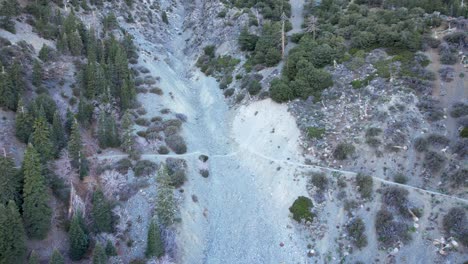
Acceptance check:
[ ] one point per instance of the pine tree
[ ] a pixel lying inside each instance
(24, 123)
(128, 138)
(155, 245)
(85, 112)
(8, 94)
(10, 182)
(44, 53)
(102, 213)
(41, 138)
(16, 76)
(69, 24)
(36, 211)
(165, 203)
(75, 44)
(75, 150)
(110, 249)
(99, 255)
(33, 258)
(62, 44)
(127, 95)
(10, 8)
(91, 47)
(56, 258)
(78, 239)
(108, 135)
(58, 134)
(12, 236)
(37, 74)
(69, 120)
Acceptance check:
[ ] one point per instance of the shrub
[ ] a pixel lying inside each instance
(456, 224)
(145, 168)
(464, 132)
(373, 131)
(142, 122)
(420, 144)
(460, 178)
(390, 232)
(343, 151)
(373, 141)
(204, 173)
(365, 184)
(171, 130)
(229, 92)
(163, 150)
(123, 165)
(319, 180)
(178, 178)
(356, 230)
(315, 132)
(396, 197)
(156, 90)
(177, 144)
(301, 209)
(434, 161)
(254, 87)
(438, 140)
(459, 109)
(400, 178)
(280, 91)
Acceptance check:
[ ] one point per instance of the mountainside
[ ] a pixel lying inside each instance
(204, 131)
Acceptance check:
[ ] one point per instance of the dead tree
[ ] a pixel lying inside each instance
(283, 37)
(312, 26)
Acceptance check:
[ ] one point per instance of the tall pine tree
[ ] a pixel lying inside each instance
(33, 258)
(12, 236)
(24, 123)
(78, 239)
(58, 134)
(37, 74)
(75, 151)
(128, 138)
(108, 135)
(10, 181)
(36, 211)
(99, 255)
(102, 213)
(41, 138)
(155, 245)
(56, 258)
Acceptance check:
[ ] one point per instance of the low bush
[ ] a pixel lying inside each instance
(145, 168)
(229, 92)
(365, 184)
(373, 131)
(459, 178)
(204, 173)
(315, 132)
(356, 230)
(455, 224)
(156, 90)
(254, 87)
(459, 109)
(434, 161)
(142, 122)
(396, 197)
(400, 178)
(163, 150)
(343, 151)
(301, 209)
(177, 178)
(461, 147)
(319, 180)
(420, 144)
(177, 144)
(123, 165)
(389, 231)
(464, 132)
(438, 140)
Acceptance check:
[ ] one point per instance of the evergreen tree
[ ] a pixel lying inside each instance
(8, 94)
(62, 44)
(128, 138)
(23, 124)
(91, 47)
(16, 77)
(56, 258)
(85, 112)
(69, 25)
(10, 8)
(108, 135)
(37, 74)
(75, 44)
(41, 138)
(99, 255)
(70, 119)
(44, 53)
(110, 249)
(58, 134)
(78, 239)
(155, 245)
(75, 150)
(36, 211)
(12, 236)
(33, 258)
(165, 203)
(10, 182)
(102, 213)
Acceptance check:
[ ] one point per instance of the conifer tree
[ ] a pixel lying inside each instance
(85, 112)
(58, 134)
(99, 255)
(128, 138)
(69, 25)
(78, 239)
(36, 211)
(102, 213)
(10, 182)
(75, 44)
(37, 74)
(62, 44)
(75, 150)
(108, 135)
(69, 120)
(24, 123)
(33, 258)
(56, 258)
(165, 203)
(41, 138)
(16, 76)
(91, 52)
(44, 53)
(8, 94)
(12, 235)
(155, 245)
(110, 249)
